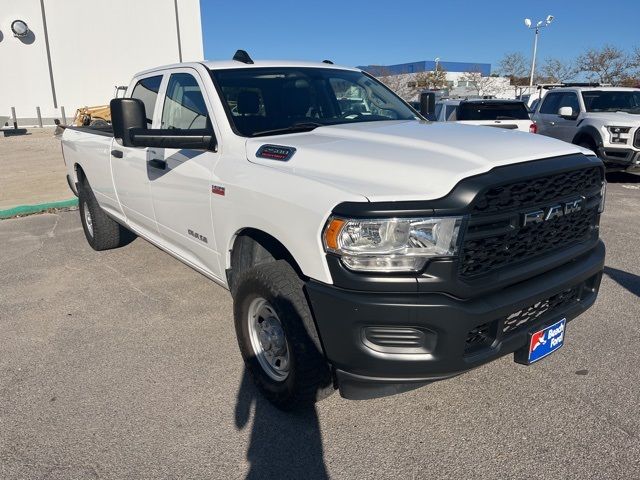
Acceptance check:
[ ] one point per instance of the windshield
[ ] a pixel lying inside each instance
(269, 101)
(492, 111)
(612, 101)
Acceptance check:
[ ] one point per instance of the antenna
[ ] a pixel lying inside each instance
(242, 56)
(327, 61)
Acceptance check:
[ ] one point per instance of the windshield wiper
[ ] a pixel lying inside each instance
(295, 128)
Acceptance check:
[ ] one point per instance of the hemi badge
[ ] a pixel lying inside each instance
(217, 189)
(275, 152)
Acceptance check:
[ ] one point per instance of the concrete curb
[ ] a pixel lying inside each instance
(40, 207)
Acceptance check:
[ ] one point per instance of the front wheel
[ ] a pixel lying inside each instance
(278, 338)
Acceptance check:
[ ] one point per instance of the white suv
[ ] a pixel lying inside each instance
(603, 119)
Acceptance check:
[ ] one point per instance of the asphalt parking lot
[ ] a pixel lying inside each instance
(124, 364)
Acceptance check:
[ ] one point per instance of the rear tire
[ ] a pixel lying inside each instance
(297, 374)
(100, 230)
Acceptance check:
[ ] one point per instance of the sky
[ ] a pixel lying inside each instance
(355, 32)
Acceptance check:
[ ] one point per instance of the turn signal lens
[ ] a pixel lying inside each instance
(533, 128)
(332, 232)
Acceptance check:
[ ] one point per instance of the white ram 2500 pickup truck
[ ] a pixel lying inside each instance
(365, 248)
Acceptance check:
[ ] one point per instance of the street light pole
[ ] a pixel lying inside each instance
(529, 24)
(533, 58)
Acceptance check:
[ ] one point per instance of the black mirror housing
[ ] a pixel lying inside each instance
(427, 104)
(127, 114)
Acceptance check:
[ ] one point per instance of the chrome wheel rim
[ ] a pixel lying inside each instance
(268, 339)
(87, 219)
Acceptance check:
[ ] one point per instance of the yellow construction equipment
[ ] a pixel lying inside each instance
(98, 116)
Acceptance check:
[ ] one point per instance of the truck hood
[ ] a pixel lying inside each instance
(622, 119)
(404, 160)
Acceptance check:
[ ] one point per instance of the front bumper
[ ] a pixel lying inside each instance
(384, 343)
(620, 159)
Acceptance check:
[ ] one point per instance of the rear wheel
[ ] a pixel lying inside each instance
(100, 230)
(278, 338)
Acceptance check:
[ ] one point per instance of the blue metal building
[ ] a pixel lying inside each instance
(428, 66)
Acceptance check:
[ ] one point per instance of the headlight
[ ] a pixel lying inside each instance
(391, 244)
(619, 134)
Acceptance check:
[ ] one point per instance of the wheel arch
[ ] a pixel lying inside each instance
(590, 134)
(78, 173)
(252, 246)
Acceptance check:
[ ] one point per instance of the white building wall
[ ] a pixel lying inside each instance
(94, 46)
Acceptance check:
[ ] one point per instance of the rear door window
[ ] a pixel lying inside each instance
(147, 91)
(493, 111)
(184, 106)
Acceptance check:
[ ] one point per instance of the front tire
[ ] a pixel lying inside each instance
(100, 230)
(277, 336)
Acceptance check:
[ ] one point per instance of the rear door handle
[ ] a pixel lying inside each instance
(117, 153)
(157, 163)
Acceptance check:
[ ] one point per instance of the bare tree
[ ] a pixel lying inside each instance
(435, 80)
(479, 84)
(632, 79)
(386, 76)
(635, 58)
(515, 66)
(607, 65)
(555, 70)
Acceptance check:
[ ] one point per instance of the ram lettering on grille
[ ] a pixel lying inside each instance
(523, 220)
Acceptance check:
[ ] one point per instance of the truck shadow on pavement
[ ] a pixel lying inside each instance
(283, 444)
(626, 280)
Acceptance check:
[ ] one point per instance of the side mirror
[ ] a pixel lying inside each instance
(129, 121)
(427, 104)
(127, 114)
(566, 112)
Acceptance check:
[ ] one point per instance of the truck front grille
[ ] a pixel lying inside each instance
(532, 313)
(537, 191)
(550, 308)
(496, 238)
(496, 251)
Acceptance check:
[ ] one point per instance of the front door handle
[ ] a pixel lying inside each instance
(552, 123)
(158, 163)
(117, 153)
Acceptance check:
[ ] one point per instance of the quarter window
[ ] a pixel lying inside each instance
(184, 107)
(147, 91)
